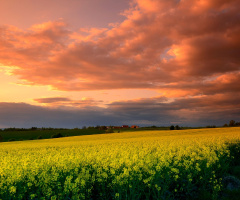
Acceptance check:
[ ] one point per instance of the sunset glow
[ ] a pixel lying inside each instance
(101, 62)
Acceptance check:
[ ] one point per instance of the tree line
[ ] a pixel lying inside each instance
(232, 123)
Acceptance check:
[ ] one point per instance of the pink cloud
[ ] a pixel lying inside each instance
(51, 99)
(85, 102)
(172, 46)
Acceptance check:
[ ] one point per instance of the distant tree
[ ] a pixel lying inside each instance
(84, 127)
(232, 123)
(40, 137)
(211, 126)
(177, 127)
(102, 128)
(57, 135)
(172, 127)
(237, 124)
(97, 127)
(225, 125)
(1, 138)
(91, 127)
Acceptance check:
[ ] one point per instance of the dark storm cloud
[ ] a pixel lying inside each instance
(196, 111)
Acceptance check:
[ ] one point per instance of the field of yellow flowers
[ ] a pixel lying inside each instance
(132, 165)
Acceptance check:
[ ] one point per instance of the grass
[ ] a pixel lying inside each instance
(45, 134)
(19, 135)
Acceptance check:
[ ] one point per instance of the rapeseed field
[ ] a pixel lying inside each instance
(176, 164)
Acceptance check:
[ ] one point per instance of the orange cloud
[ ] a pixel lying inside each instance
(67, 102)
(171, 46)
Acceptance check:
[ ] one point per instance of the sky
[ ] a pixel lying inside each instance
(74, 63)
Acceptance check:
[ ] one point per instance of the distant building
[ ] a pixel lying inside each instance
(125, 126)
(134, 126)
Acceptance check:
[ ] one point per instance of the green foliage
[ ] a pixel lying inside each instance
(45, 133)
(39, 137)
(1, 138)
(234, 148)
(57, 135)
(235, 170)
(231, 195)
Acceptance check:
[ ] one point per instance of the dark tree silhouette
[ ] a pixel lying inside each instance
(232, 123)
(177, 127)
(40, 137)
(172, 127)
(57, 135)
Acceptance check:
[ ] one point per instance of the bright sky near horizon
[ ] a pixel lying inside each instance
(103, 62)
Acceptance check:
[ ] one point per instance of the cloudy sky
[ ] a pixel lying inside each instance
(70, 63)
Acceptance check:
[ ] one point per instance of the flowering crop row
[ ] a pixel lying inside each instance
(137, 165)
